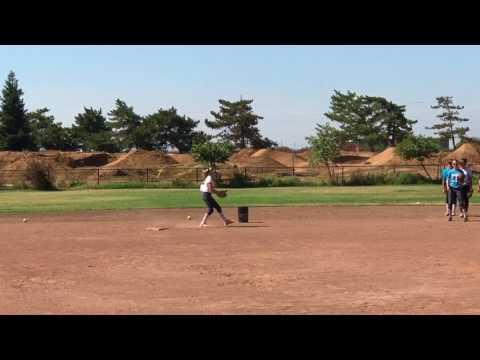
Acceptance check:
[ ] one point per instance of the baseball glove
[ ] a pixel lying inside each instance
(222, 193)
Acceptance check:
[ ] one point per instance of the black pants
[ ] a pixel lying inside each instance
(211, 203)
(455, 195)
(466, 200)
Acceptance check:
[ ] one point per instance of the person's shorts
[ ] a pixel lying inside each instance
(211, 202)
(455, 195)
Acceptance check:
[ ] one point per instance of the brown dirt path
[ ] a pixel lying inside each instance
(314, 260)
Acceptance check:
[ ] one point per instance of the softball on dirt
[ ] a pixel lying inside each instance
(189, 217)
(24, 220)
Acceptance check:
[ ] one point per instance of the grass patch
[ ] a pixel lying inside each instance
(15, 201)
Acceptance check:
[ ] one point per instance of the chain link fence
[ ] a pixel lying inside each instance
(338, 173)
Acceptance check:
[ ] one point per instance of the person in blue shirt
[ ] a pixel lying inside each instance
(455, 182)
(448, 166)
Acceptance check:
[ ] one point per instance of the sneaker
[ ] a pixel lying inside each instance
(446, 214)
(465, 218)
(454, 214)
(450, 218)
(462, 215)
(228, 222)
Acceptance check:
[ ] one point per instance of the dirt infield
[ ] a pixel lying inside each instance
(314, 260)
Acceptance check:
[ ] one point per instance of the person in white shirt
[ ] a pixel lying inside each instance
(207, 188)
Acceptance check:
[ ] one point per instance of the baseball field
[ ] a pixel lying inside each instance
(315, 250)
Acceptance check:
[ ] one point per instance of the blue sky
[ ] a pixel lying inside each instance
(291, 85)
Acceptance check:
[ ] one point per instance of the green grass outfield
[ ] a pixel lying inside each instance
(17, 201)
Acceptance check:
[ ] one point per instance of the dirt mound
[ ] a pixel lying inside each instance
(304, 154)
(469, 151)
(389, 157)
(351, 159)
(262, 152)
(9, 157)
(184, 159)
(264, 161)
(283, 157)
(19, 161)
(95, 159)
(241, 157)
(141, 159)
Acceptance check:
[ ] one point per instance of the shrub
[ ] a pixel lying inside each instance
(361, 179)
(240, 180)
(182, 184)
(275, 181)
(409, 179)
(38, 176)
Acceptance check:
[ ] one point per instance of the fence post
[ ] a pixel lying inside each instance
(245, 172)
(293, 170)
(343, 182)
(147, 175)
(98, 176)
(196, 175)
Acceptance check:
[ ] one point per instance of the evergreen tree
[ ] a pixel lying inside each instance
(15, 130)
(167, 128)
(92, 132)
(48, 134)
(124, 123)
(237, 123)
(356, 119)
(450, 115)
(391, 119)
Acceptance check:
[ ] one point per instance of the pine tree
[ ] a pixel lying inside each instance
(124, 123)
(446, 129)
(355, 116)
(92, 132)
(15, 130)
(47, 133)
(391, 119)
(237, 123)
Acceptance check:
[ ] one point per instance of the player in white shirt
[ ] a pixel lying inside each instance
(207, 188)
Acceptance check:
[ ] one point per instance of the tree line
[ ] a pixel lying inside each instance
(122, 128)
(372, 122)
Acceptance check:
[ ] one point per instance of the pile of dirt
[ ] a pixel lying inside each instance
(264, 162)
(305, 155)
(94, 159)
(141, 159)
(469, 151)
(285, 158)
(389, 157)
(351, 159)
(184, 159)
(241, 157)
(19, 161)
(9, 157)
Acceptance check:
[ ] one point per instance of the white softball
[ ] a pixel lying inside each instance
(189, 217)
(24, 220)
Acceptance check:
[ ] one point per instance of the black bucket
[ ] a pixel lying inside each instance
(243, 214)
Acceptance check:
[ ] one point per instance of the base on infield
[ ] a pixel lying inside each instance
(156, 228)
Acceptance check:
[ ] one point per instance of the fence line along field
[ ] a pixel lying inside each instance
(67, 168)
